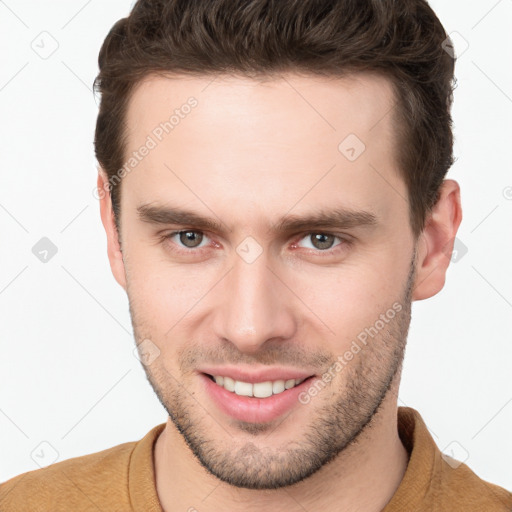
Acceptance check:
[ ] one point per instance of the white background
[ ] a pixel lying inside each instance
(68, 375)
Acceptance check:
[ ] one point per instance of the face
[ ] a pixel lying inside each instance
(296, 256)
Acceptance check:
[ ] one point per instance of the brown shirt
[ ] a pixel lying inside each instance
(122, 479)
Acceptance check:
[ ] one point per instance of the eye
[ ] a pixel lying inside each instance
(190, 239)
(322, 241)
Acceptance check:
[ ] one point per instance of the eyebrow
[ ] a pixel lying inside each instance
(337, 218)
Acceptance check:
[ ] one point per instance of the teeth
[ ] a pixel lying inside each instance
(243, 388)
(289, 384)
(259, 389)
(278, 387)
(229, 383)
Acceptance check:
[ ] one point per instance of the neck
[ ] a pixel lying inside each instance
(362, 477)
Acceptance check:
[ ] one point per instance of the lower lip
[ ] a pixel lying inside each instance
(251, 409)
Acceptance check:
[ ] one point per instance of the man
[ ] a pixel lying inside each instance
(272, 189)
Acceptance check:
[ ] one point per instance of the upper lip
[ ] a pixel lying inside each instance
(252, 375)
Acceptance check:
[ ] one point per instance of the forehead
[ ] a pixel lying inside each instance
(279, 141)
(357, 103)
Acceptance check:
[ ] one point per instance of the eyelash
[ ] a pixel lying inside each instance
(327, 252)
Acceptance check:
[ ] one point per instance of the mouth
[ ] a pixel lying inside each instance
(264, 389)
(256, 402)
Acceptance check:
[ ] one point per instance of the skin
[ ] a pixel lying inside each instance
(250, 153)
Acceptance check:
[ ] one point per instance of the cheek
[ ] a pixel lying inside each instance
(349, 298)
(162, 294)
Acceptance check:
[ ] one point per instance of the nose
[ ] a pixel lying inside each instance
(255, 306)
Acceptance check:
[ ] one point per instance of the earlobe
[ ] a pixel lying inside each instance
(435, 244)
(114, 251)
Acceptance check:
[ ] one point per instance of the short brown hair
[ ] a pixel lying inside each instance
(400, 39)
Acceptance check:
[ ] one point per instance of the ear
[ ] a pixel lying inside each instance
(435, 243)
(114, 251)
